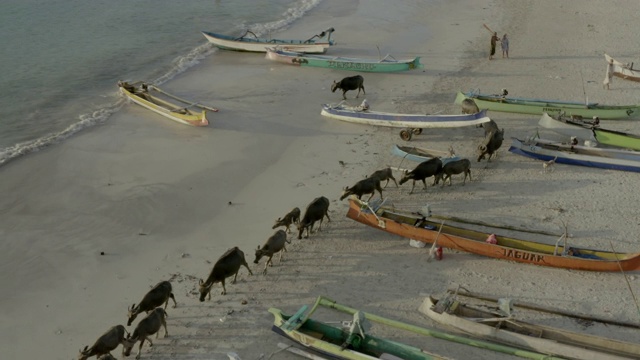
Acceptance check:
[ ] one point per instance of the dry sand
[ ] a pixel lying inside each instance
(164, 201)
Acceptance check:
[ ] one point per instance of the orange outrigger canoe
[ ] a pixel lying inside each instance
(416, 226)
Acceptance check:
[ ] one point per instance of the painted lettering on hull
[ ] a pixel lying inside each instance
(523, 255)
(351, 66)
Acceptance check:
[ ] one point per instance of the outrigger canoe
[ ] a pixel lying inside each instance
(413, 225)
(355, 343)
(158, 101)
(495, 325)
(249, 41)
(413, 123)
(539, 106)
(591, 131)
(386, 64)
(624, 71)
(563, 153)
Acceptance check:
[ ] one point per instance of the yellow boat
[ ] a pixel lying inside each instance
(156, 100)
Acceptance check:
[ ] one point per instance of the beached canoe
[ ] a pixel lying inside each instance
(413, 225)
(249, 41)
(588, 130)
(624, 71)
(494, 325)
(563, 153)
(413, 123)
(386, 64)
(354, 342)
(421, 154)
(165, 104)
(553, 107)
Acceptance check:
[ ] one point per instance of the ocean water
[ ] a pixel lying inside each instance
(61, 59)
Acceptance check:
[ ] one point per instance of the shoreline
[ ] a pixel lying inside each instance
(125, 188)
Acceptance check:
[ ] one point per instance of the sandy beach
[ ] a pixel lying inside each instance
(164, 201)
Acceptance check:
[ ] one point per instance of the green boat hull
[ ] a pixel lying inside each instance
(537, 107)
(613, 138)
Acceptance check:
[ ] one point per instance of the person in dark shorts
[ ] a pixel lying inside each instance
(494, 41)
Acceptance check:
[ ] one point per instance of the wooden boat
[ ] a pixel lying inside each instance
(591, 131)
(386, 64)
(415, 226)
(421, 154)
(493, 325)
(624, 71)
(538, 106)
(414, 123)
(158, 101)
(249, 41)
(330, 341)
(603, 158)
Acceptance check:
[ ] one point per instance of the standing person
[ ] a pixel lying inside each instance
(505, 46)
(494, 41)
(609, 75)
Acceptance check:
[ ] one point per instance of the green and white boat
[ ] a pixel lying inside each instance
(352, 340)
(552, 107)
(386, 64)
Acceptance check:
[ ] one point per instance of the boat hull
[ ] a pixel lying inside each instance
(155, 103)
(403, 223)
(260, 45)
(622, 71)
(589, 157)
(413, 121)
(548, 340)
(340, 63)
(538, 107)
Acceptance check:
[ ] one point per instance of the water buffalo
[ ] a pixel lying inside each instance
(362, 187)
(424, 170)
(106, 343)
(384, 174)
(148, 326)
(228, 264)
(158, 295)
(274, 244)
(349, 83)
(293, 217)
(469, 106)
(316, 211)
(454, 168)
(491, 144)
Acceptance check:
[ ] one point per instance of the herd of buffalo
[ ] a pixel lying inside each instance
(155, 301)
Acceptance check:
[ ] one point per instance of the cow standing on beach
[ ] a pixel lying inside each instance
(349, 83)
(228, 264)
(316, 211)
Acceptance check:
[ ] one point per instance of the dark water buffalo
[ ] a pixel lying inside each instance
(158, 295)
(274, 244)
(349, 83)
(316, 211)
(228, 264)
(454, 168)
(293, 217)
(362, 187)
(491, 144)
(384, 174)
(106, 343)
(148, 326)
(424, 170)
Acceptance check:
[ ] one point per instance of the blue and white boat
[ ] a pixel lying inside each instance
(563, 153)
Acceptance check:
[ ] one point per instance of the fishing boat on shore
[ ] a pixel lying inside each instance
(317, 44)
(354, 342)
(493, 324)
(622, 70)
(386, 64)
(419, 226)
(421, 154)
(564, 153)
(555, 107)
(163, 103)
(413, 123)
(590, 130)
